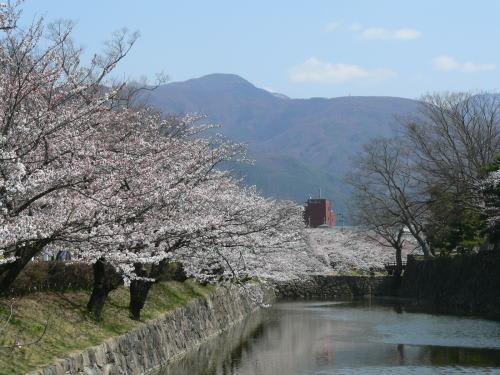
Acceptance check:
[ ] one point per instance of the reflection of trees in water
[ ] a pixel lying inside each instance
(296, 337)
(277, 340)
(401, 352)
(398, 307)
(213, 356)
(407, 305)
(297, 342)
(284, 341)
(444, 355)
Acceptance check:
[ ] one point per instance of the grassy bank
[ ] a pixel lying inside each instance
(69, 327)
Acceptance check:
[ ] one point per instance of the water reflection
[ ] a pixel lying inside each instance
(351, 337)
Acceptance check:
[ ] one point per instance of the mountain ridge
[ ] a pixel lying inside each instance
(320, 133)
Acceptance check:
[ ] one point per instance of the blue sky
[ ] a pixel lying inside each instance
(301, 48)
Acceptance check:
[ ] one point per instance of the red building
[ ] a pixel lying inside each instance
(318, 212)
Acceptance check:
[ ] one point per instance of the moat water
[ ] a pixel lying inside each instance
(369, 336)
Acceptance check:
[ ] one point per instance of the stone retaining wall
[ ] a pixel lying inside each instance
(325, 286)
(154, 344)
(467, 284)
(146, 349)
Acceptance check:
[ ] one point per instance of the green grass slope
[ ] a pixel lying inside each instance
(69, 327)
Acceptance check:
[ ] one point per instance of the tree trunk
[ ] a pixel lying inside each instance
(139, 290)
(425, 249)
(398, 271)
(105, 280)
(399, 263)
(494, 238)
(10, 271)
(432, 251)
(421, 241)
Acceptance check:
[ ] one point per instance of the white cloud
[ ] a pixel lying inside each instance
(445, 63)
(332, 26)
(375, 32)
(356, 26)
(315, 70)
(381, 33)
(448, 63)
(471, 67)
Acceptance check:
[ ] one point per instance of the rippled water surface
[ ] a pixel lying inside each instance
(371, 337)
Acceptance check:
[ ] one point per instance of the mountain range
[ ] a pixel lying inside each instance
(299, 145)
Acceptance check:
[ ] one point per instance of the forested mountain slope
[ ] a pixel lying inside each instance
(300, 145)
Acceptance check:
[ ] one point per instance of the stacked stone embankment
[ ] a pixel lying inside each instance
(461, 284)
(329, 286)
(156, 343)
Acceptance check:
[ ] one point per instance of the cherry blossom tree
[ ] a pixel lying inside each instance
(9, 14)
(52, 110)
(180, 208)
(127, 189)
(154, 166)
(252, 238)
(360, 249)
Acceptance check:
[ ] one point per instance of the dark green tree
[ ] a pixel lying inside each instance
(450, 224)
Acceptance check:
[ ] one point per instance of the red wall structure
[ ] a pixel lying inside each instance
(318, 212)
